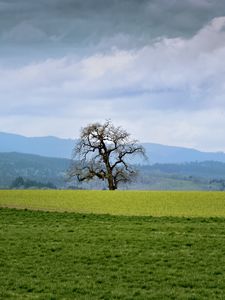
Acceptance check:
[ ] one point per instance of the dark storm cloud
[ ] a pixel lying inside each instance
(81, 23)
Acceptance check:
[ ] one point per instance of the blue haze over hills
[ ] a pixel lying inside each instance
(57, 147)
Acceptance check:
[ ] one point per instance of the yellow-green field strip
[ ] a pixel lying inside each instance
(136, 203)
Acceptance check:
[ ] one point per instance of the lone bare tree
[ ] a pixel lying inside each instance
(102, 152)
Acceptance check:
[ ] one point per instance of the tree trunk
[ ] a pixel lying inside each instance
(111, 184)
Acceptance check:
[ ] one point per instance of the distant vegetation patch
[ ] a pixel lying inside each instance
(137, 203)
(21, 183)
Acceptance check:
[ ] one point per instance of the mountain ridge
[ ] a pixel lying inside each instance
(51, 146)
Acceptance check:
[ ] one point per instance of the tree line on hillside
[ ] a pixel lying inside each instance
(21, 183)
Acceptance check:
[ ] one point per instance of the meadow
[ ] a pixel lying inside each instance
(130, 203)
(105, 250)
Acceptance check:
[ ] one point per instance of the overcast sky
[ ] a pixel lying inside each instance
(156, 67)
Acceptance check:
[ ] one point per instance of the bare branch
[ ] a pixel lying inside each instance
(102, 152)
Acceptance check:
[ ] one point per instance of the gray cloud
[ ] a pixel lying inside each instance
(35, 30)
(78, 23)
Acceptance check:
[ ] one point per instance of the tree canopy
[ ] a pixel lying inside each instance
(103, 152)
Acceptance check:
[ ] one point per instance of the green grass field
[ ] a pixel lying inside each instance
(49, 255)
(74, 256)
(137, 203)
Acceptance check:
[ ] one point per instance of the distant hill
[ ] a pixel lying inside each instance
(46, 146)
(33, 167)
(158, 153)
(56, 147)
(208, 175)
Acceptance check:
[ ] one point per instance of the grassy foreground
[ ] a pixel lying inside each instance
(73, 256)
(137, 203)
